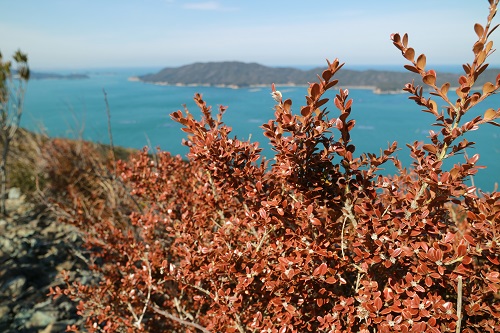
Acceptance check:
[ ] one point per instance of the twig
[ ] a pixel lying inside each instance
(358, 280)
(179, 320)
(212, 185)
(110, 133)
(146, 304)
(348, 206)
(179, 309)
(238, 324)
(386, 210)
(261, 242)
(347, 211)
(138, 320)
(459, 304)
(342, 245)
(206, 292)
(151, 149)
(112, 148)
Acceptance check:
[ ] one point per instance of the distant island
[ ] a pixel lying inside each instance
(236, 74)
(46, 76)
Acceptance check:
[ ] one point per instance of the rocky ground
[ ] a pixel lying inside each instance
(34, 248)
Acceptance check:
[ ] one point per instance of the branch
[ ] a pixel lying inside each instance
(238, 324)
(110, 133)
(459, 304)
(347, 212)
(179, 320)
(150, 282)
(342, 244)
(266, 233)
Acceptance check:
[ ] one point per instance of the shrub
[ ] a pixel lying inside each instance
(80, 180)
(12, 90)
(318, 240)
(24, 156)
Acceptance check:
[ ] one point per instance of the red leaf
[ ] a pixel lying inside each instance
(493, 260)
(258, 185)
(474, 159)
(462, 249)
(327, 75)
(412, 68)
(396, 252)
(478, 28)
(338, 104)
(320, 270)
(409, 54)
(315, 91)
(331, 280)
(489, 114)
(305, 111)
(444, 88)
(430, 148)
(421, 61)
(378, 303)
(470, 239)
(339, 124)
(348, 104)
(429, 79)
(428, 281)
(315, 221)
(395, 37)
(287, 104)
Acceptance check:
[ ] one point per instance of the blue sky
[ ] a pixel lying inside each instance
(67, 34)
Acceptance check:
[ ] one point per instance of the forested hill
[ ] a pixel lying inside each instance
(240, 74)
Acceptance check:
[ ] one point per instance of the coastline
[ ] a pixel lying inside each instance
(374, 89)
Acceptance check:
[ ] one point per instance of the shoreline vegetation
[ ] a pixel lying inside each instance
(56, 76)
(236, 75)
(235, 86)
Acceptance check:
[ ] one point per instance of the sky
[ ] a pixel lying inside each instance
(74, 34)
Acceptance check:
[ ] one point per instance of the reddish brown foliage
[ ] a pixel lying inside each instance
(317, 241)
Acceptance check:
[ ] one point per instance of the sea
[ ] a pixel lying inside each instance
(140, 116)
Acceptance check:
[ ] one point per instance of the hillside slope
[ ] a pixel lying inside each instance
(240, 74)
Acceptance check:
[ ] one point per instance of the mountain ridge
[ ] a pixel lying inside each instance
(238, 74)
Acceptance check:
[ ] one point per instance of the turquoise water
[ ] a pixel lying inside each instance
(140, 116)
